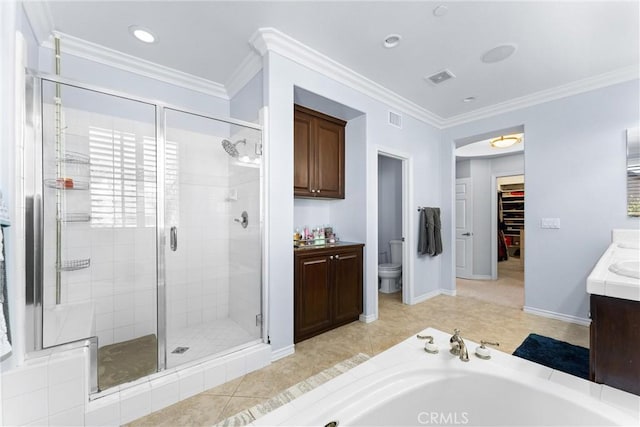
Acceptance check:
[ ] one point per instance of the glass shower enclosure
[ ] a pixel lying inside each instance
(147, 230)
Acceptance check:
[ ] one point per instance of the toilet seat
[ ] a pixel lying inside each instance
(389, 267)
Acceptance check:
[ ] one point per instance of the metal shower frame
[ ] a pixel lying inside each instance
(33, 193)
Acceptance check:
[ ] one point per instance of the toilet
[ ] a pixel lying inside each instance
(391, 274)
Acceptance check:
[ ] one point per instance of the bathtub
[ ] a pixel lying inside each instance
(405, 386)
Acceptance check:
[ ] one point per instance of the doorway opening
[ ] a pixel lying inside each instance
(393, 263)
(490, 221)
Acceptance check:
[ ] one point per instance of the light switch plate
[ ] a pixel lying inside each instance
(550, 223)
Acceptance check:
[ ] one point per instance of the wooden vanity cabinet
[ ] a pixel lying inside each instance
(614, 355)
(318, 154)
(327, 289)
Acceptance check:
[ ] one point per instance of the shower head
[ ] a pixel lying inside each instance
(230, 147)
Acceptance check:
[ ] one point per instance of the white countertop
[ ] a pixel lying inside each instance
(603, 281)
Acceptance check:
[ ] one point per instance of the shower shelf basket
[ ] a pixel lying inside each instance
(72, 157)
(76, 217)
(75, 264)
(66, 184)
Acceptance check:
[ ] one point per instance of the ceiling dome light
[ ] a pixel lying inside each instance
(499, 53)
(392, 40)
(142, 34)
(506, 141)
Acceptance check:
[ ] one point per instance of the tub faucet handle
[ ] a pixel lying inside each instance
(483, 352)
(429, 346)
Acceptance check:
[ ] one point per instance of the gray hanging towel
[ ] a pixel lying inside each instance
(431, 240)
(422, 233)
(436, 231)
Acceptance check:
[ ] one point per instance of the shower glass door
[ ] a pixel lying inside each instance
(98, 188)
(210, 255)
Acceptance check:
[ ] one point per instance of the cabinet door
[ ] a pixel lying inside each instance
(329, 159)
(312, 295)
(347, 278)
(303, 154)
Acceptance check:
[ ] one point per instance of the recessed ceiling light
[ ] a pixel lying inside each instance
(440, 11)
(142, 34)
(499, 53)
(392, 40)
(469, 99)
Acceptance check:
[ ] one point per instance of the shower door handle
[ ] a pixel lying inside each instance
(173, 235)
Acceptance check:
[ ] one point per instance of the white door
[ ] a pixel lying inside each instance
(464, 228)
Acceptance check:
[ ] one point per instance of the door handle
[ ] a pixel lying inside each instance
(174, 238)
(467, 234)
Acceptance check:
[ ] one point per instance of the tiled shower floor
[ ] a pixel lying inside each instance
(204, 340)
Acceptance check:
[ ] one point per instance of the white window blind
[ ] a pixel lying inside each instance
(123, 179)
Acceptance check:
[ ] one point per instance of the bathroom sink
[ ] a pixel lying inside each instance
(626, 268)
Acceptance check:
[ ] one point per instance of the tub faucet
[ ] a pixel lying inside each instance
(458, 347)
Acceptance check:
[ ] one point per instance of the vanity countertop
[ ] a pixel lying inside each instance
(614, 275)
(339, 244)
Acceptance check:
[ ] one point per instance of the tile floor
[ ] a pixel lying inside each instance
(205, 339)
(507, 290)
(477, 319)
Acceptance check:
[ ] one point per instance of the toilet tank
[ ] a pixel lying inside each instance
(396, 251)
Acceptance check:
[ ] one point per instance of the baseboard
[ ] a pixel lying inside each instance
(557, 316)
(283, 352)
(449, 292)
(424, 297)
(368, 318)
(480, 277)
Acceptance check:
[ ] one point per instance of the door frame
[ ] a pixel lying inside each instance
(494, 216)
(407, 221)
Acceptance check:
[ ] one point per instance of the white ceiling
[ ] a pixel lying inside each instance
(558, 43)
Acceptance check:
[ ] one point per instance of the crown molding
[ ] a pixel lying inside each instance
(84, 49)
(574, 88)
(40, 18)
(249, 67)
(272, 40)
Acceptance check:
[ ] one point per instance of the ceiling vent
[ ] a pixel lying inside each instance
(395, 119)
(440, 77)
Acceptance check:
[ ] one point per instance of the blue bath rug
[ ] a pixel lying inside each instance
(555, 354)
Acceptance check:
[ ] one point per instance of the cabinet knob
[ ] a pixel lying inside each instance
(313, 191)
(331, 257)
(337, 256)
(317, 191)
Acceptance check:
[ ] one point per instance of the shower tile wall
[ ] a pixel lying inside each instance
(198, 272)
(121, 279)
